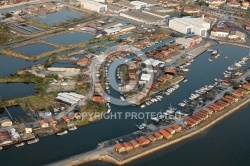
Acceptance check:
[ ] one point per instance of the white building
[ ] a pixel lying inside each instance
(143, 17)
(139, 4)
(145, 77)
(93, 6)
(219, 32)
(187, 25)
(5, 122)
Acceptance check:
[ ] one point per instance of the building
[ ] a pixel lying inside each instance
(165, 134)
(66, 118)
(119, 148)
(93, 6)
(156, 13)
(128, 146)
(114, 8)
(151, 137)
(69, 98)
(186, 42)
(176, 127)
(52, 121)
(143, 141)
(190, 10)
(126, 4)
(83, 62)
(43, 124)
(170, 130)
(139, 4)
(237, 35)
(98, 99)
(22, 128)
(187, 25)
(5, 122)
(234, 3)
(5, 138)
(143, 17)
(158, 136)
(134, 143)
(220, 32)
(145, 77)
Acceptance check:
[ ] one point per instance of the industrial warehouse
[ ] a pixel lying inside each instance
(188, 25)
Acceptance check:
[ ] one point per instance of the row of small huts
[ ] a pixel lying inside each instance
(219, 105)
(143, 141)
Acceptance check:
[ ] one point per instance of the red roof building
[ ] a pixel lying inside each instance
(170, 130)
(176, 127)
(143, 141)
(134, 143)
(158, 136)
(128, 146)
(165, 134)
(82, 62)
(151, 138)
(119, 148)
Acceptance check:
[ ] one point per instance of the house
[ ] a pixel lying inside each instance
(158, 136)
(52, 121)
(190, 10)
(22, 128)
(151, 138)
(165, 134)
(220, 32)
(119, 148)
(246, 86)
(66, 118)
(5, 122)
(77, 115)
(83, 62)
(128, 146)
(43, 124)
(134, 143)
(98, 99)
(170, 130)
(170, 71)
(237, 35)
(143, 141)
(176, 127)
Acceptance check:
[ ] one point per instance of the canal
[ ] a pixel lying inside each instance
(202, 72)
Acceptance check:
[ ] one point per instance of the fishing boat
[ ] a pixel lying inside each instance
(185, 80)
(1, 148)
(19, 145)
(143, 106)
(33, 141)
(155, 119)
(62, 133)
(73, 128)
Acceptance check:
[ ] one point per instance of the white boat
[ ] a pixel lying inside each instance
(64, 83)
(20, 144)
(182, 104)
(210, 50)
(155, 119)
(33, 141)
(122, 98)
(73, 128)
(143, 106)
(226, 57)
(185, 70)
(108, 111)
(185, 80)
(1, 148)
(62, 133)
(98, 36)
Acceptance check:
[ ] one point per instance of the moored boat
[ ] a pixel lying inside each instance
(73, 128)
(20, 144)
(33, 141)
(62, 133)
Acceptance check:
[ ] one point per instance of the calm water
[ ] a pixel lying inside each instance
(10, 65)
(202, 72)
(64, 63)
(34, 49)
(13, 90)
(70, 38)
(15, 111)
(61, 16)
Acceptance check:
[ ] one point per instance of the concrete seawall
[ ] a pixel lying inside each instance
(102, 153)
